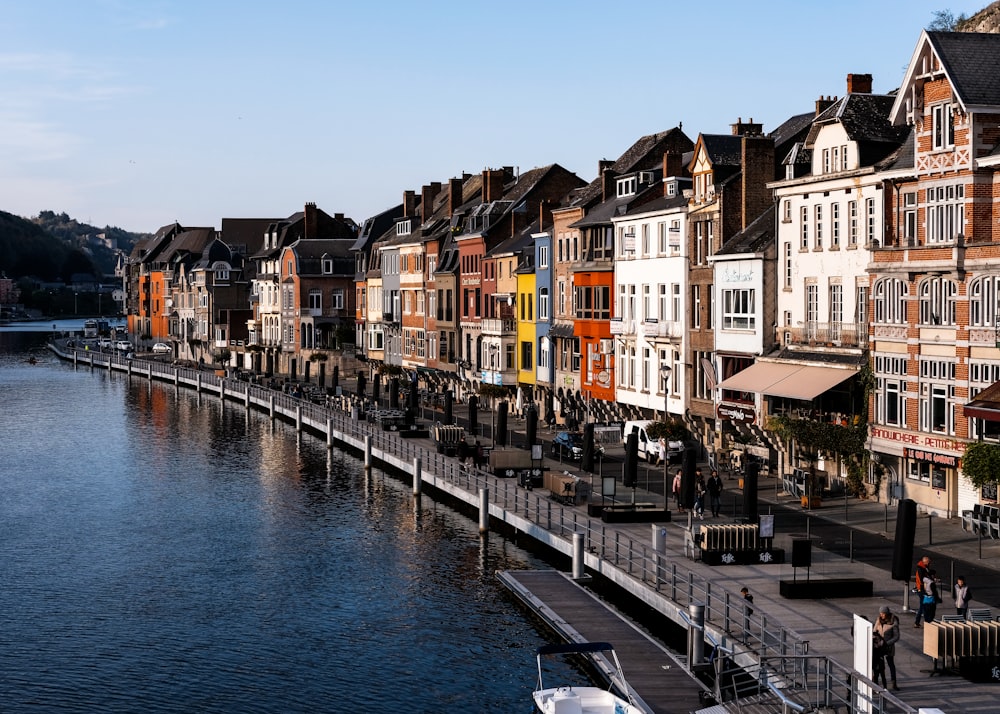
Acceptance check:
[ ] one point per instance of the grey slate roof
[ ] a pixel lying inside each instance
(902, 157)
(972, 61)
(755, 237)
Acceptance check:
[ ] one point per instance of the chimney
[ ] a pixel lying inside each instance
(603, 165)
(311, 221)
(746, 129)
(544, 214)
(859, 84)
(757, 162)
(673, 164)
(608, 184)
(492, 185)
(409, 203)
(454, 195)
(824, 103)
(338, 216)
(427, 196)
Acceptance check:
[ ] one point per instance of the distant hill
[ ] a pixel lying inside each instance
(26, 249)
(52, 247)
(101, 244)
(986, 20)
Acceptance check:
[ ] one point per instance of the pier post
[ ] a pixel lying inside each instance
(417, 476)
(197, 383)
(128, 368)
(368, 452)
(659, 550)
(177, 377)
(484, 510)
(298, 417)
(329, 433)
(696, 635)
(577, 556)
(74, 359)
(246, 398)
(270, 407)
(222, 391)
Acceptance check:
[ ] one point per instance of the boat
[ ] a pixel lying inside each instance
(570, 699)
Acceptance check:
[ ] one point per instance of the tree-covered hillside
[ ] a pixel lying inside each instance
(28, 250)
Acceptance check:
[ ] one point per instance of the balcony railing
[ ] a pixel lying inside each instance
(493, 326)
(826, 334)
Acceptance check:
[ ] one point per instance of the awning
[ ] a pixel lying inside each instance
(758, 376)
(792, 381)
(809, 382)
(986, 405)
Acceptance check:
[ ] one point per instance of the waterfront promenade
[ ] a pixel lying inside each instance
(668, 582)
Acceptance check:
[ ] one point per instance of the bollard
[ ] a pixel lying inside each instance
(696, 635)
(484, 510)
(417, 476)
(577, 556)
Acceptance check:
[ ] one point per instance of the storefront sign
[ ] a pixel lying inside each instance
(736, 412)
(928, 441)
(934, 458)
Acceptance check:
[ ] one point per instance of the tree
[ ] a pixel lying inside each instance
(946, 21)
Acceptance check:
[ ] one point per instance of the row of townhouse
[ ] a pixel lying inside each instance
(838, 269)
(261, 293)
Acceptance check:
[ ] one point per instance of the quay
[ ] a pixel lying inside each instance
(801, 649)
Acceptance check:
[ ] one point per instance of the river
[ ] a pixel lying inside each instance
(162, 552)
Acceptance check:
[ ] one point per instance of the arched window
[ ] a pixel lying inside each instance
(984, 310)
(890, 297)
(937, 301)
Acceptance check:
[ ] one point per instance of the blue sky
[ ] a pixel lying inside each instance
(139, 113)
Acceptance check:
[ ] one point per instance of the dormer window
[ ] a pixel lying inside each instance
(403, 228)
(626, 186)
(327, 265)
(672, 189)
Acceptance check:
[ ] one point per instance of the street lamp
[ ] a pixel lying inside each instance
(665, 373)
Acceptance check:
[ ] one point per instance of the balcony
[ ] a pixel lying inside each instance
(499, 327)
(826, 334)
(622, 327)
(662, 328)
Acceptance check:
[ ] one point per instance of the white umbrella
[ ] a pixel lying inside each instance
(517, 402)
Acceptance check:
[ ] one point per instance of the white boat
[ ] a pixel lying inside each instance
(567, 699)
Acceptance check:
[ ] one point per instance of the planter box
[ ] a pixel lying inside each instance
(827, 588)
(634, 514)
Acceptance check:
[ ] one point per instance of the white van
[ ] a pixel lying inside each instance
(649, 449)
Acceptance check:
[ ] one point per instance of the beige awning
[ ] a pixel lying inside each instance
(809, 382)
(793, 381)
(758, 376)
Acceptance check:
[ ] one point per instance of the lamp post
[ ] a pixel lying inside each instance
(665, 371)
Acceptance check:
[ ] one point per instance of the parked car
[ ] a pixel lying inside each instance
(162, 348)
(570, 444)
(123, 346)
(104, 342)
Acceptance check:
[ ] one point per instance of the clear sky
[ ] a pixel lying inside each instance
(137, 113)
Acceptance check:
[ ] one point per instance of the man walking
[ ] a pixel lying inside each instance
(714, 487)
(923, 566)
(887, 627)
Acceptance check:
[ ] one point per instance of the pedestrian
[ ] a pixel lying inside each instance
(887, 627)
(480, 456)
(463, 451)
(699, 497)
(878, 659)
(932, 595)
(677, 492)
(745, 592)
(921, 574)
(962, 594)
(714, 487)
